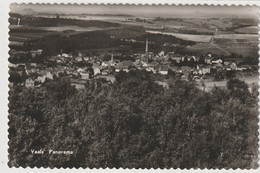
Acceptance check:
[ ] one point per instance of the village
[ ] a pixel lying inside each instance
(81, 68)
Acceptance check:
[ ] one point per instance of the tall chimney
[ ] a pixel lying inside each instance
(112, 58)
(18, 21)
(146, 46)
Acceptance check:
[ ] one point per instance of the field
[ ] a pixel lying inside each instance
(189, 37)
(242, 44)
(194, 36)
(248, 30)
(250, 80)
(72, 38)
(70, 28)
(225, 49)
(207, 38)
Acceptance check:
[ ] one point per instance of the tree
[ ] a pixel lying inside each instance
(91, 72)
(238, 89)
(134, 123)
(229, 137)
(230, 74)
(15, 77)
(250, 61)
(60, 89)
(219, 75)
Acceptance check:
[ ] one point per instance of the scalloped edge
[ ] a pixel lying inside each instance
(208, 3)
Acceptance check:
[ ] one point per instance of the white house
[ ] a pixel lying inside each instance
(35, 53)
(177, 59)
(163, 70)
(49, 75)
(105, 64)
(219, 61)
(96, 70)
(29, 83)
(233, 66)
(208, 60)
(205, 70)
(144, 64)
(65, 55)
(79, 84)
(84, 75)
(41, 79)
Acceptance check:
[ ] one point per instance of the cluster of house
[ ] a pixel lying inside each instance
(32, 53)
(37, 76)
(81, 68)
(159, 64)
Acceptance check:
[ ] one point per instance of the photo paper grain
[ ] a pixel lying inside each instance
(133, 86)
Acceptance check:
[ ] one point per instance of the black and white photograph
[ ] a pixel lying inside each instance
(133, 86)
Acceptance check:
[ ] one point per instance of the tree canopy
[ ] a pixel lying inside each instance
(134, 123)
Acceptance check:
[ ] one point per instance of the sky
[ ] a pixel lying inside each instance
(187, 11)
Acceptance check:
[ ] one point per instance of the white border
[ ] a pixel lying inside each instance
(4, 9)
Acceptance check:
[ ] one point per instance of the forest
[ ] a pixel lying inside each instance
(134, 123)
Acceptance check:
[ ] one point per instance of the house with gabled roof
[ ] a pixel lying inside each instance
(163, 69)
(152, 66)
(96, 69)
(29, 83)
(208, 60)
(79, 83)
(124, 65)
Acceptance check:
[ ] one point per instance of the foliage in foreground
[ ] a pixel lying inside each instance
(134, 123)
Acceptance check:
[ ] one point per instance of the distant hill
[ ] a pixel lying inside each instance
(25, 11)
(122, 15)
